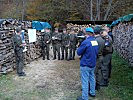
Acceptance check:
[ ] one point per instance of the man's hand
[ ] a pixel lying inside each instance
(47, 42)
(67, 45)
(24, 44)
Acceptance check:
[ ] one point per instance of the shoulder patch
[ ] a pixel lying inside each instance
(94, 43)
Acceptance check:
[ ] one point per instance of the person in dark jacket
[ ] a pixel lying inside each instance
(81, 36)
(18, 49)
(46, 39)
(56, 42)
(88, 51)
(107, 56)
(72, 44)
(111, 35)
(64, 44)
(101, 43)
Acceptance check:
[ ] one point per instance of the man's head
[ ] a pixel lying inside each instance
(72, 31)
(64, 30)
(18, 30)
(89, 31)
(106, 28)
(104, 33)
(56, 30)
(47, 30)
(97, 30)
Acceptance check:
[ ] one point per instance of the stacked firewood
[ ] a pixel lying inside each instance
(77, 27)
(123, 40)
(7, 58)
(7, 55)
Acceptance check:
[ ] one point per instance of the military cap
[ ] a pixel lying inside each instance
(97, 30)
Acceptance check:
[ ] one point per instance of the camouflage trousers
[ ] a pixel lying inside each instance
(102, 68)
(56, 49)
(19, 61)
(72, 52)
(64, 49)
(45, 51)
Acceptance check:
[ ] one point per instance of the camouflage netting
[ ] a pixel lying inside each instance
(123, 40)
(7, 56)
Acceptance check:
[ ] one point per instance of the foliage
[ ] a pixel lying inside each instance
(60, 10)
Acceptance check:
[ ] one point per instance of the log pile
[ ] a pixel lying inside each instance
(7, 56)
(123, 40)
(77, 27)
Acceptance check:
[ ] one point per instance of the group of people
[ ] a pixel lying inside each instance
(93, 45)
(95, 64)
(64, 43)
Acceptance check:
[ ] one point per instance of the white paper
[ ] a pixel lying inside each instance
(94, 43)
(32, 35)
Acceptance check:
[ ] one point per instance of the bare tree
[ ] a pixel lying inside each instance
(91, 8)
(108, 9)
(23, 9)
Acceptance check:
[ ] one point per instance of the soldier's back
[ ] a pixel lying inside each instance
(17, 42)
(73, 38)
(101, 43)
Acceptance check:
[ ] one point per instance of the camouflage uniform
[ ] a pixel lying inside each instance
(107, 55)
(18, 49)
(72, 46)
(46, 38)
(80, 40)
(64, 45)
(110, 64)
(98, 73)
(56, 42)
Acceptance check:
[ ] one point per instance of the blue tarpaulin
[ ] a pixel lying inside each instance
(40, 25)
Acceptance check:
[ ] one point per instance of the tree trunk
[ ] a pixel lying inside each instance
(23, 9)
(91, 13)
(108, 9)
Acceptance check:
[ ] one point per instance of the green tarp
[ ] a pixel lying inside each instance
(122, 19)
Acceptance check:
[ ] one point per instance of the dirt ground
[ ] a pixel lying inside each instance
(48, 80)
(60, 80)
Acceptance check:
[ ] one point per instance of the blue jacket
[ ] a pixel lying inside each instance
(88, 51)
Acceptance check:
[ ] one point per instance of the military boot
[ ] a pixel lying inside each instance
(66, 57)
(104, 83)
(58, 56)
(54, 57)
(48, 58)
(43, 58)
(62, 57)
(97, 86)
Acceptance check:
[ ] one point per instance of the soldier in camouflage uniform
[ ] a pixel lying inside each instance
(107, 55)
(81, 36)
(46, 38)
(65, 44)
(72, 44)
(18, 49)
(56, 42)
(101, 43)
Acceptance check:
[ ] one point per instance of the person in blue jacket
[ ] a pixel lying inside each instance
(88, 51)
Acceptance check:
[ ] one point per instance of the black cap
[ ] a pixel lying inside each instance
(97, 30)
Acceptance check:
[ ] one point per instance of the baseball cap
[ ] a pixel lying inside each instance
(89, 30)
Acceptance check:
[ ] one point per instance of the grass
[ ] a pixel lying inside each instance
(121, 82)
(120, 86)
